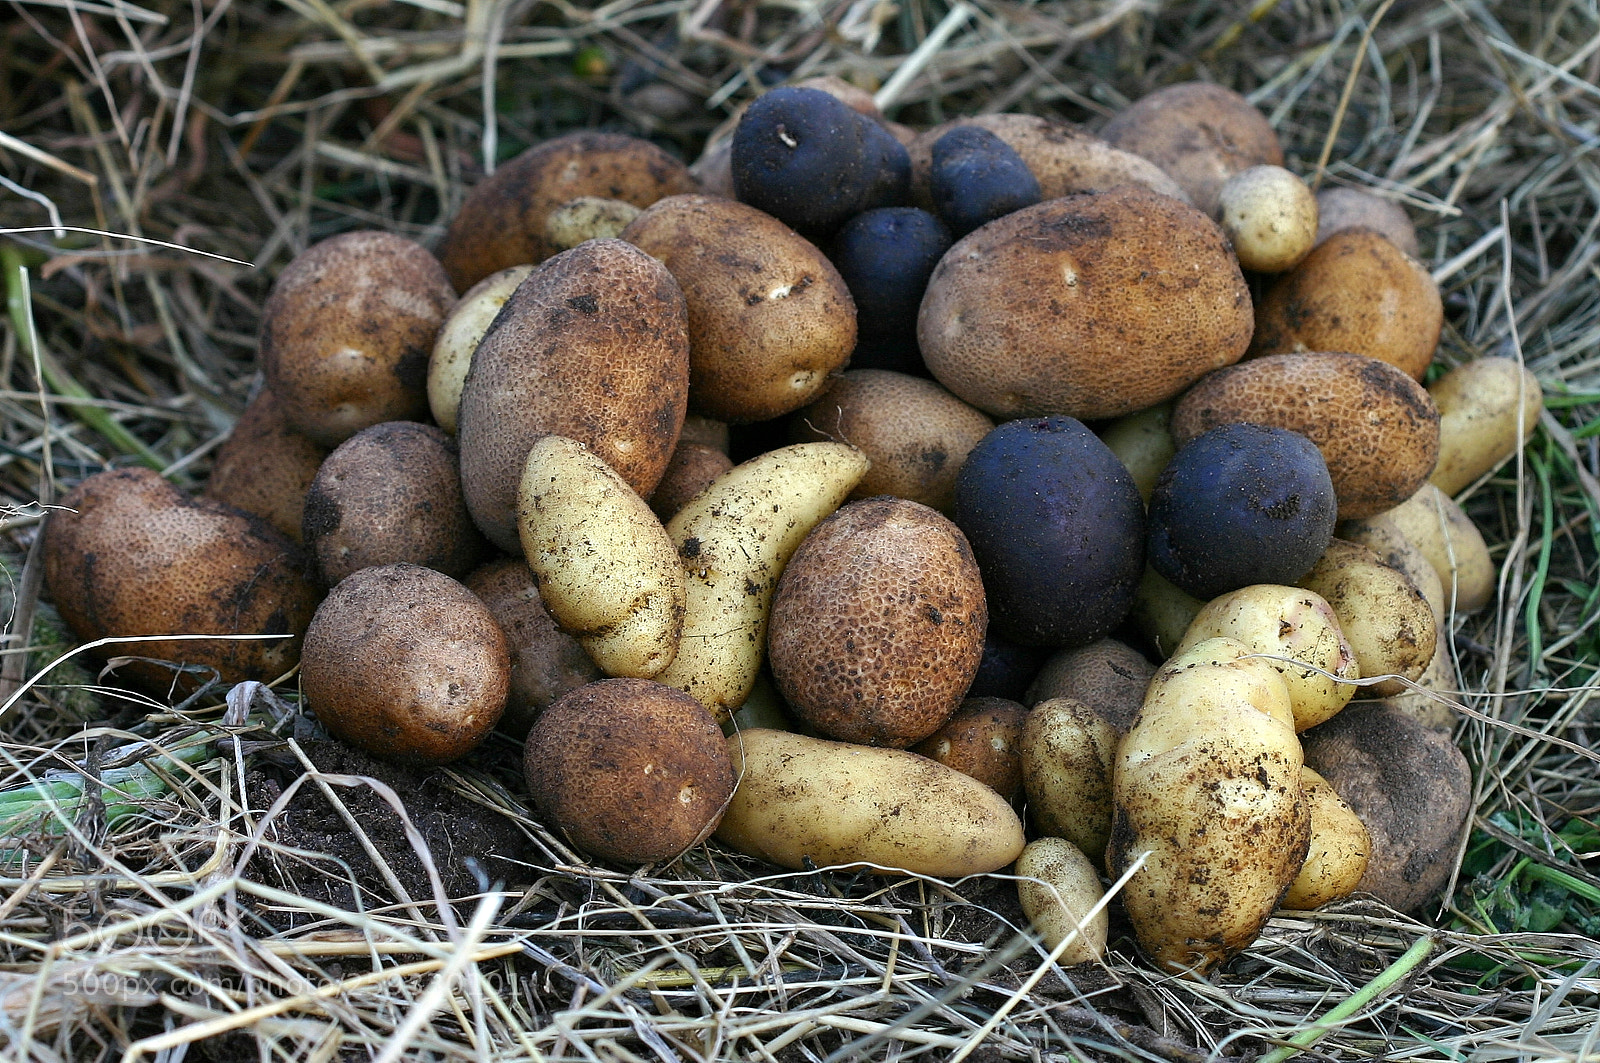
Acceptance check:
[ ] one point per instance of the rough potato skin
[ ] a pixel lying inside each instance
(982, 740)
(691, 470)
(1108, 676)
(1352, 208)
(1091, 306)
(632, 771)
(769, 316)
(130, 554)
(347, 332)
(502, 222)
(594, 346)
(1376, 427)
(391, 493)
(265, 466)
(1408, 784)
(1200, 134)
(406, 663)
(878, 622)
(1356, 292)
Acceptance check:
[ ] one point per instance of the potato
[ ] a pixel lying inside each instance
(1092, 306)
(877, 624)
(1340, 848)
(587, 218)
(1424, 705)
(127, 554)
(1487, 408)
(502, 223)
(807, 802)
(1286, 622)
(1208, 784)
(983, 739)
(459, 336)
(915, 433)
(406, 663)
(630, 770)
(1378, 430)
(1433, 522)
(1143, 442)
(976, 177)
(605, 567)
(1068, 751)
(1162, 612)
(347, 331)
(1107, 676)
(1384, 616)
(1411, 788)
(1270, 217)
(692, 469)
(1383, 537)
(1356, 292)
(265, 466)
(593, 345)
(886, 257)
(1354, 208)
(1058, 886)
(769, 316)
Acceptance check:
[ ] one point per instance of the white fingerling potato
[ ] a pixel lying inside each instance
(1486, 408)
(1270, 215)
(1433, 522)
(1058, 886)
(1339, 849)
(458, 337)
(733, 541)
(1382, 613)
(605, 567)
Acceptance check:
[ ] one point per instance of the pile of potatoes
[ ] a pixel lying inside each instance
(1032, 388)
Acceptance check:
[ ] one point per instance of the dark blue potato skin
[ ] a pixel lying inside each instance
(885, 257)
(811, 162)
(1241, 504)
(1057, 526)
(1007, 668)
(976, 178)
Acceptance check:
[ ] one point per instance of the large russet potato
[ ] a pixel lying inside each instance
(1092, 306)
(594, 346)
(128, 554)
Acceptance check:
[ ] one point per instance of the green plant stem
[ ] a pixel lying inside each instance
(1368, 993)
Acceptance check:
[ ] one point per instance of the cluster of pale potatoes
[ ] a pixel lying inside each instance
(516, 507)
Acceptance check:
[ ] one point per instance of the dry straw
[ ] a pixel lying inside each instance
(161, 160)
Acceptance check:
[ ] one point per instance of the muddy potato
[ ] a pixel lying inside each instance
(877, 624)
(594, 346)
(982, 740)
(1068, 752)
(769, 316)
(1270, 216)
(1383, 615)
(1356, 292)
(458, 338)
(1352, 208)
(406, 663)
(1433, 705)
(347, 331)
(1143, 442)
(692, 469)
(1435, 524)
(1208, 783)
(1411, 788)
(1040, 312)
(1058, 886)
(128, 554)
(804, 803)
(631, 771)
(1383, 537)
(1108, 676)
(502, 222)
(1487, 408)
(1340, 848)
(916, 434)
(587, 218)
(265, 466)
(1287, 622)
(1377, 429)
(1162, 612)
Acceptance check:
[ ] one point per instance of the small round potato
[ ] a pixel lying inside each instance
(1068, 751)
(1340, 848)
(1270, 215)
(1058, 886)
(458, 338)
(265, 466)
(1432, 701)
(1487, 408)
(1383, 537)
(982, 740)
(1384, 616)
(1352, 208)
(587, 218)
(1108, 676)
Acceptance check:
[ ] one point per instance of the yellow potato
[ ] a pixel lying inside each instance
(1422, 705)
(1162, 612)
(1287, 622)
(1384, 538)
(1143, 442)
(1433, 522)
(1207, 784)
(1340, 846)
(1270, 215)
(458, 337)
(1058, 885)
(1486, 408)
(1067, 753)
(809, 801)
(606, 569)
(1381, 611)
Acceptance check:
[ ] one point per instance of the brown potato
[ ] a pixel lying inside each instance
(546, 662)
(1200, 134)
(1487, 407)
(594, 346)
(1068, 750)
(877, 625)
(1340, 849)
(916, 433)
(1385, 618)
(769, 316)
(406, 663)
(502, 222)
(459, 336)
(265, 466)
(347, 332)
(1352, 208)
(1411, 788)
(1092, 306)
(631, 771)
(1356, 292)
(705, 431)
(128, 554)
(982, 740)
(692, 469)
(1376, 427)
(1107, 676)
